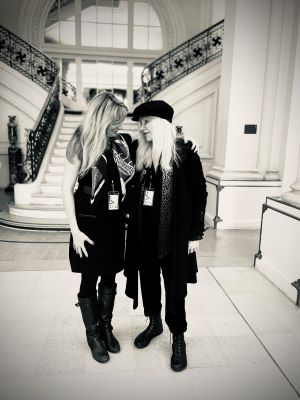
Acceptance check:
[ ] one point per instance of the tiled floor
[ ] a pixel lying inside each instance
(243, 337)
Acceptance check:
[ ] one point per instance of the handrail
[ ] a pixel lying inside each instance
(42, 70)
(68, 90)
(38, 137)
(26, 59)
(183, 59)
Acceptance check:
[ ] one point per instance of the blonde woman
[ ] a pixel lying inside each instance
(98, 157)
(165, 225)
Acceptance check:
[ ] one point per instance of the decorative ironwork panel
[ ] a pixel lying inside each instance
(68, 90)
(38, 139)
(26, 59)
(187, 57)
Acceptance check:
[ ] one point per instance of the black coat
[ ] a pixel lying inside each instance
(106, 228)
(189, 202)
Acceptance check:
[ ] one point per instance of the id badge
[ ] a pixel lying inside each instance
(113, 200)
(148, 197)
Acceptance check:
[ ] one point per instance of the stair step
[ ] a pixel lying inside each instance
(40, 224)
(59, 151)
(58, 160)
(62, 143)
(49, 199)
(65, 136)
(38, 211)
(54, 177)
(70, 124)
(68, 130)
(73, 118)
(54, 168)
(54, 188)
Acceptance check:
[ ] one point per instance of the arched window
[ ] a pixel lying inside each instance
(123, 24)
(103, 44)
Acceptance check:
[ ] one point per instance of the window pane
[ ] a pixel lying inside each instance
(53, 14)
(89, 14)
(105, 75)
(120, 13)
(67, 10)
(140, 37)
(153, 19)
(141, 13)
(119, 75)
(67, 32)
(120, 36)
(88, 34)
(104, 35)
(89, 79)
(155, 39)
(68, 70)
(104, 14)
(52, 33)
(137, 73)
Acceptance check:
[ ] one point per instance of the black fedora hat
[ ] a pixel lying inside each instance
(154, 108)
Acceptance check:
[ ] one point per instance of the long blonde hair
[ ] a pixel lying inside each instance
(90, 138)
(162, 150)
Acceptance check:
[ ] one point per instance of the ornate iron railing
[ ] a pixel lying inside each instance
(187, 57)
(68, 90)
(42, 70)
(38, 137)
(26, 59)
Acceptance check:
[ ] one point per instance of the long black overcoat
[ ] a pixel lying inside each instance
(106, 228)
(189, 202)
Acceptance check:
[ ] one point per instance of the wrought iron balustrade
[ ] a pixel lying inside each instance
(26, 59)
(42, 70)
(38, 137)
(68, 90)
(187, 57)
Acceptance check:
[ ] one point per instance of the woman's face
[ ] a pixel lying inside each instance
(146, 128)
(114, 128)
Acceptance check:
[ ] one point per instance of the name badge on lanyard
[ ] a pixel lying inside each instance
(113, 198)
(148, 196)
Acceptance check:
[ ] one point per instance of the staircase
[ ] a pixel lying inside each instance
(46, 210)
(48, 203)
(187, 77)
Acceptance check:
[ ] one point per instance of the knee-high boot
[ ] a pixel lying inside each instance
(106, 300)
(88, 307)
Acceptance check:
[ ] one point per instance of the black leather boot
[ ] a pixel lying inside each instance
(178, 359)
(154, 328)
(88, 307)
(106, 300)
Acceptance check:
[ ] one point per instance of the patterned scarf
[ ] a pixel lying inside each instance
(121, 158)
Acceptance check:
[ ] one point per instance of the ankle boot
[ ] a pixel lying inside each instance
(106, 300)
(178, 359)
(88, 308)
(154, 328)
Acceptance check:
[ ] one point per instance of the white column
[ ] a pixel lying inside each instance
(294, 195)
(292, 156)
(277, 88)
(241, 89)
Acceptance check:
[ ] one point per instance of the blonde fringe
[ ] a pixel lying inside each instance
(162, 150)
(90, 138)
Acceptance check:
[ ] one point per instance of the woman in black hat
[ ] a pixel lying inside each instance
(165, 225)
(99, 157)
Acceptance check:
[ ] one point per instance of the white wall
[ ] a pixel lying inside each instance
(20, 97)
(292, 154)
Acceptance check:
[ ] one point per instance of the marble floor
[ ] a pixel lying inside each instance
(243, 337)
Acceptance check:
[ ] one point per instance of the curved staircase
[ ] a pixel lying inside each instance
(38, 203)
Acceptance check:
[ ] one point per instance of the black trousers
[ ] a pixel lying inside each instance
(151, 294)
(88, 284)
